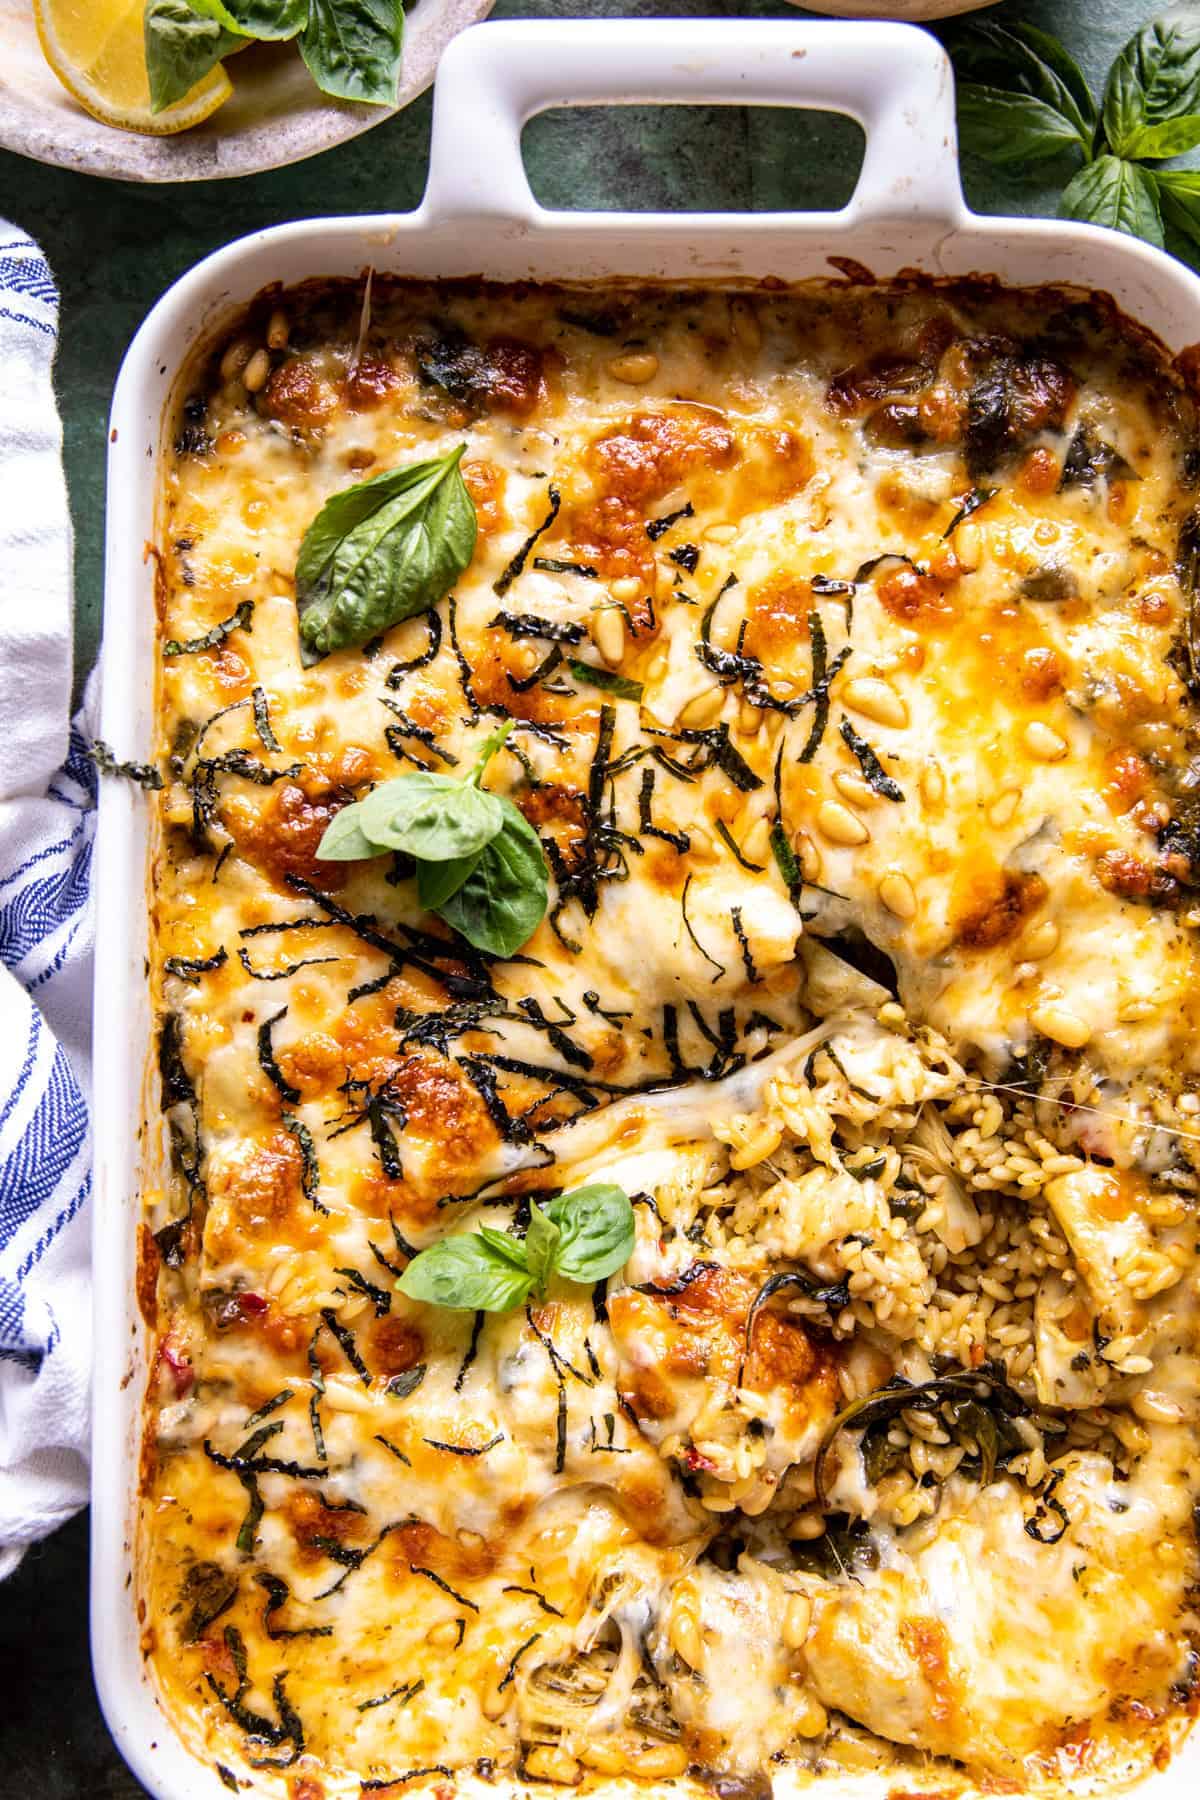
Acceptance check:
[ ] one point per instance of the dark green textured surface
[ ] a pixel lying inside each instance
(114, 248)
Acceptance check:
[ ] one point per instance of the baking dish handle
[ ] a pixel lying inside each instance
(894, 79)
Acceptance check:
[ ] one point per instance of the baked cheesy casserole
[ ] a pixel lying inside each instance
(762, 948)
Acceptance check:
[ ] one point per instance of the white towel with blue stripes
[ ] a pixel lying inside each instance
(47, 815)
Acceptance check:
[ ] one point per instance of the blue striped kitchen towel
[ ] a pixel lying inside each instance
(47, 817)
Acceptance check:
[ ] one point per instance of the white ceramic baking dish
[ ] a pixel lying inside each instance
(479, 217)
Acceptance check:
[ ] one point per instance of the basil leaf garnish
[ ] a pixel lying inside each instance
(432, 817)
(1152, 102)
(381, 551)
(437, 881)
(596, 1231)
(182, 45)
(582, 1236)
(275, 19)
(1116, 193)
(1021, 95)
(466, 1272)
(352, 48)
(345, 839)
(480, 865)
(542, 1241)
(503, 898)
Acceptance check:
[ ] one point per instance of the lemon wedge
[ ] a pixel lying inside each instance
(97, 50)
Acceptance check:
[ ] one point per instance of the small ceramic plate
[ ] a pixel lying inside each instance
(275, 114)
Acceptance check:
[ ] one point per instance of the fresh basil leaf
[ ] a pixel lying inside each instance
(436, 881)
(1179, 196)
(181, 47)
(1116, 193)
(345, 840)
(432, 817)
(1008, 128)
(381, 551)
(468, 1273)
(541, 1247)
(597, 1233)
(606, 679)
(1024, 63)
(270, 19)
(352, 48)
(510, 1248)
(503, 899)
(1152, 102)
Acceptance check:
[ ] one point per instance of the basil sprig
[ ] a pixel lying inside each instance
(583, 1236)
(350, 47)
(1022, 98)
(381, 551)
(480, 864)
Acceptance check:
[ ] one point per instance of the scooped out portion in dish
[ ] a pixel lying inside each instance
(675, 908)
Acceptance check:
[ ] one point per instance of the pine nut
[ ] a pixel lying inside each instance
(808, 856)
(1055, 1021)
(855, 789)
(1038, 941)
(549, 1762)
(933, 785)
(1043, 742)
(625, 587)
(720, 534)
(236, 358)
(808, 1717)
(608, 634)
(443, 1634)
(896, 892)
(749, 718)
(757, 841)
(1157, 1408)
(684, 1631)
(797, 1618)
(876, 700)
(1004, 810)
(635, 369)
(746, 328)
(839, 824)
(701, 710)
(968, 546)
(1134, 1011)
(256, 371)
(278, 330)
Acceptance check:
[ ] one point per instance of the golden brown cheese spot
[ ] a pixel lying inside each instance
(998, 907)
(1042, 673)
(281, 834)
(420, 1545)
(1040, 472)
(485, 483)
(915, 598)
(299, 395)
(440, 1104)
(397, 1345)
(264, 1192)
(315, 1526)
(777, 616)
(1133, 878)
(631, 467)
(369, 382)
(927, 1643)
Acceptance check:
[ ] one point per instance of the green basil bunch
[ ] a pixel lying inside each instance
(350, 47)
(583, 1236)
(480, 865)
(1022, 99)
(381, 551)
